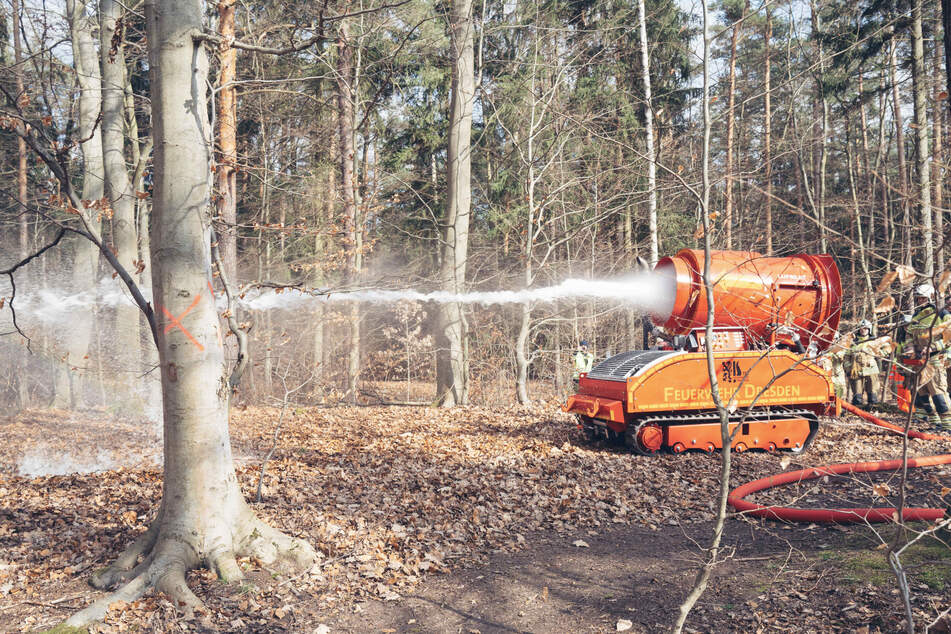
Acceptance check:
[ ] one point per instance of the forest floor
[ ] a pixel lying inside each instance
(465, 520)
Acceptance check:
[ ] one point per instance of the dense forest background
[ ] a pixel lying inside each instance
(332, 172)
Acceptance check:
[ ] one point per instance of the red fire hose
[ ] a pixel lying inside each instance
(841, 516)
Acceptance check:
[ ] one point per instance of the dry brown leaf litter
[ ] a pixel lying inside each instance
(386, 495)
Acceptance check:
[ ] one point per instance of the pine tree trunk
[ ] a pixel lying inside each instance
(227, 159)
(730, 125)
(767, 134)
(451, 331)
(203, 520)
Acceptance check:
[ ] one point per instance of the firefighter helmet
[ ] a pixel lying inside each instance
(924, 290)
(865, 323)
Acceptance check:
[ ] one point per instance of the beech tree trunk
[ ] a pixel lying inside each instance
(118, 187)
(85, 256)
(922, 152)
(649, 138)
(345, 121)
(23, 232)
(451, 331)
(937, 164)
(900, 149)
(203, 519)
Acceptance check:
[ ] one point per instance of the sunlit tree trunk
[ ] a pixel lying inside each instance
(860, 242)
(345, 121)
(767, 134)
(227, 159)
(900, 149)
(203, 520)
(451, 330)
(118, 188)
(922, 153)
(649, 136)
(730, 125)
(85, 256)
(937, 164)
(23, 231)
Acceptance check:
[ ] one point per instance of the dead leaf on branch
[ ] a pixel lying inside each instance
(886, 305)
(906, 274)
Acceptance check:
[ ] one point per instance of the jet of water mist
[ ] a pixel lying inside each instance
(643, 291)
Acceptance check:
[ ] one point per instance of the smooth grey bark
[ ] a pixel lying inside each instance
(118, 187)
(649, 138)
(68, 383)
(866, 303)
(23, 231)
(900, 149)
(937, 163)
(203, 519)
(346, 78)
(451, 330)
(922, 154)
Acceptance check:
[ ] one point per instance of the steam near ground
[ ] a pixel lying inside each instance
(118, 385)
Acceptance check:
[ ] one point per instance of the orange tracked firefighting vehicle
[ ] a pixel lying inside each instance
(768, 311)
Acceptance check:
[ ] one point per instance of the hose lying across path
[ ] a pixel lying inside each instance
(841, 516)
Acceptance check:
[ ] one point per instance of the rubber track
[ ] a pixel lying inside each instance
(713, 417)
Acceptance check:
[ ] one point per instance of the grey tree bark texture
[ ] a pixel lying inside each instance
(118, 187)
(346, 96)
(922, 153)
(451, 331)
(68, 382)
(203, 520)
(649, 137)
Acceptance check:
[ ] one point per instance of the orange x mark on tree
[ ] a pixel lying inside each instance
(175, 322)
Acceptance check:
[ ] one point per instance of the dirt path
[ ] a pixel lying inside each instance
(632, 574)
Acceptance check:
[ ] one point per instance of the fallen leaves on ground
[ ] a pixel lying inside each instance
(387, 496)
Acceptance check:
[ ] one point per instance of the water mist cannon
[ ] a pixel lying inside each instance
(767, 310)
(758, 300)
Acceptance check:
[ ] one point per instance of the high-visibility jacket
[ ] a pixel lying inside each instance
(921, 340)
(583, 362)
(860, 359)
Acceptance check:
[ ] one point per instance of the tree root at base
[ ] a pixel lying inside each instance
(166, 559)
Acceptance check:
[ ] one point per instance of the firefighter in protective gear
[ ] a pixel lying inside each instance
(832, 361)
(584, 360)
(862, 367)
(925, 350)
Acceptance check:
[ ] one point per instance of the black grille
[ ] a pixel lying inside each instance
(621, 366)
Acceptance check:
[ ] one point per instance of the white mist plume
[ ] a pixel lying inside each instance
(42, 461)
(55, 306)
(643, 291)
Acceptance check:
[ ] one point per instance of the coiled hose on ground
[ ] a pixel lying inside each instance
(841, 516)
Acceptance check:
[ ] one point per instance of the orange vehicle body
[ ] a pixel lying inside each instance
(662, 399)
